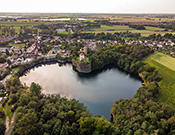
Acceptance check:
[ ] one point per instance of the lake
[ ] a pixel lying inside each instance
(97, 90)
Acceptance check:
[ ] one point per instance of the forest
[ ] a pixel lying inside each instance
(38, 114)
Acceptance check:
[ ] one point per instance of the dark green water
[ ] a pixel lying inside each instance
(97, 90)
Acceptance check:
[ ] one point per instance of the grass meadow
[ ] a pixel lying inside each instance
(166, 69)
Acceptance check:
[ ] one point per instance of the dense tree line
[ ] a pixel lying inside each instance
(38, 114)
(8, 30)
(106, 36)
(4, 43)
(127, 57)
(159, 37)
(103, 22)
(138, 27)
(29, 30)
(168, 26)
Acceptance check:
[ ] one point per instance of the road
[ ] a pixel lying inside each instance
(11, 125)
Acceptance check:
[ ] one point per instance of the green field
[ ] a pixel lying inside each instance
(123, 28)
(18, 29)
(165, 60)
(18, 24)
(62, 32)
(166, 68)
(17, 45)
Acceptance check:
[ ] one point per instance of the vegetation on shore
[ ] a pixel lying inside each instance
(38, 114)
(127, 57)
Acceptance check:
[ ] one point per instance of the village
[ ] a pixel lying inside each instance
(21, 55)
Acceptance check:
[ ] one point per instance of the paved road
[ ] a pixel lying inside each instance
(11, 125)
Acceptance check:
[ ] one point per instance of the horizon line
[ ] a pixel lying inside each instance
(86, 13)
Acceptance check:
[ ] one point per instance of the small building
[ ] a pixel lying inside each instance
(17, 42)
(39, 53)
(15, 56)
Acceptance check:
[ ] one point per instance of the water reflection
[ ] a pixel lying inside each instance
(98, 90)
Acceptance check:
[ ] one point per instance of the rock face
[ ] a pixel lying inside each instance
(81, 66)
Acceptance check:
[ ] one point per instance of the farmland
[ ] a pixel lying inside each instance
(123, 28)
(18, 23)
(166, 68)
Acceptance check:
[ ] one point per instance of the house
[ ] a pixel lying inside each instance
(50, 56)
(19, 60)
(168, 43)
(10, 58)
(172, 44)
(15, 56)
(98, 46)
(17, 42)
(25, 40)
(27, 60)
(6, 64)
(39, 53)
(32, 56)
(159, 46)
(31, 48)
(3, 53)
(61, 30)
(18, 51)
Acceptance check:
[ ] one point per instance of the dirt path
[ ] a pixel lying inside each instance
(7, 120)
(10, 128)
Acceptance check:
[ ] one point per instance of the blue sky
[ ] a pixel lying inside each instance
(89, 6)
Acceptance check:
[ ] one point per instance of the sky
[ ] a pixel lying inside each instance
(88, 6)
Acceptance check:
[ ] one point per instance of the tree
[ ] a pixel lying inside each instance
(7, 52)
(171, 121)
(27, 124)
(1, 86)
(35, 88)
(2, 127)
(2, 60)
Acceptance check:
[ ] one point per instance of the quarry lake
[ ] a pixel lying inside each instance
(97, 90)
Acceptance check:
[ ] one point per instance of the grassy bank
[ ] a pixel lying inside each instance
(166, 68)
